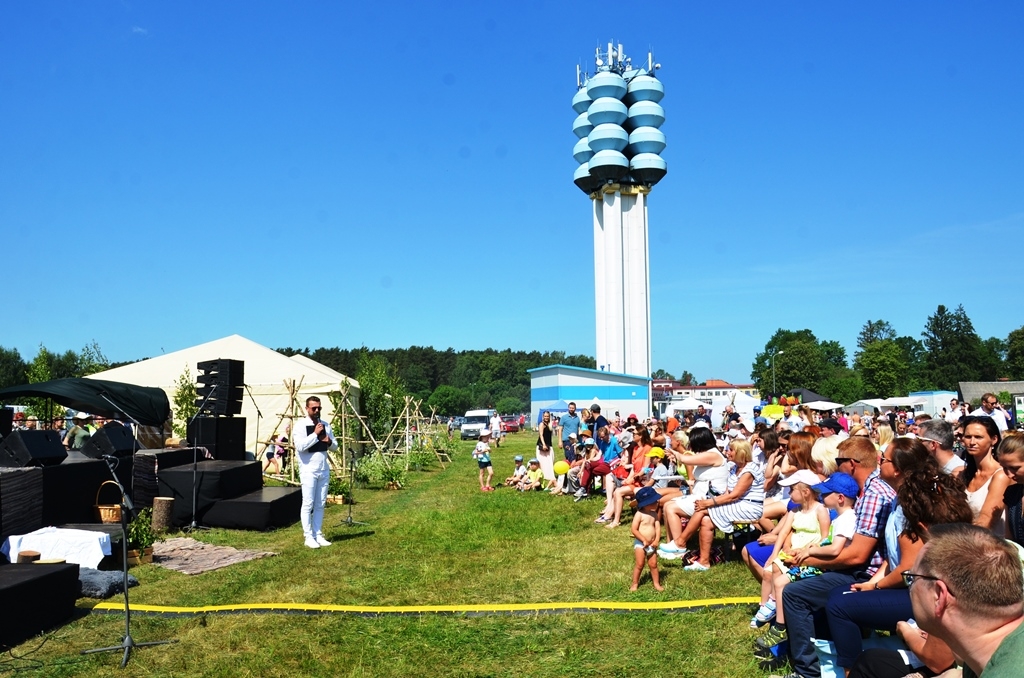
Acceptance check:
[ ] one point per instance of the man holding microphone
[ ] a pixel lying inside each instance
(313, 438)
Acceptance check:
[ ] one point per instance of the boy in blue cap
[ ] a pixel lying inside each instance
(838, 493)
(646, 530)
(518, 473)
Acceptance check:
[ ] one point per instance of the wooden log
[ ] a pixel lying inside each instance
(163, 507)
(28, 556)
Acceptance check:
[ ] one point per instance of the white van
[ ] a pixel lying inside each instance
(476, 421)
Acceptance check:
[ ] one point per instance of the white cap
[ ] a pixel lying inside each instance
(485, 432)
(802, 476)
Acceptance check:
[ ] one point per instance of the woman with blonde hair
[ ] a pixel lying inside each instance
(885, 436)
(743, 501)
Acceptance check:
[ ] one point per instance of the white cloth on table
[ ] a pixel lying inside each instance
(83, 547)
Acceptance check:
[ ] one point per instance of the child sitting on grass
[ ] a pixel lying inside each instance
(482, 454)
(804, 527)
(646, 531)
(533, 479)
(518, 473)
(838, 493)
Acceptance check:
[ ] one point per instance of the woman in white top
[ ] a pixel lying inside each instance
(708, 471)
(743, 501)
(985, 480)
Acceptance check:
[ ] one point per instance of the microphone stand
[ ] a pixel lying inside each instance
(193, 526)
(127, 643)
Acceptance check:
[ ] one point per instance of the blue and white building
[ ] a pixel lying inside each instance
(556, 384)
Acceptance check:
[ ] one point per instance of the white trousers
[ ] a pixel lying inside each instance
(314, 497)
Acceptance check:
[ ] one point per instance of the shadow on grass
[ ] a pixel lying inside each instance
(345, 536)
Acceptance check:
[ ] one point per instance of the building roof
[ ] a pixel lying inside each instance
(973, 390)
(587, 369)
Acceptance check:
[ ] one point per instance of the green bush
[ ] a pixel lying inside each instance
(376, 469)
(140, 530)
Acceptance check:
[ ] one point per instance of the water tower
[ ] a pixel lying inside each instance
(619, 151)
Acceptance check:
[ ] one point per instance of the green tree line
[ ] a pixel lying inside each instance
(449, 380)
(948, 351)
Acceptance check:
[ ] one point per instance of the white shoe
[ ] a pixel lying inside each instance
(321, 541)
(311, 543)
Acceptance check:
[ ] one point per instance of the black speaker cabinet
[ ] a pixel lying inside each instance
(6, 421)
(32, 448)
(222, 380)
(115, 440)
(223, 436)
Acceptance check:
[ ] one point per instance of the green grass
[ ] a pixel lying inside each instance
(439, 541)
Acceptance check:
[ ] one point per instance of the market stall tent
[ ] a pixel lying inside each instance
(266, 374)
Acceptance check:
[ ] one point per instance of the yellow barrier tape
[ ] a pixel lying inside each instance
(376, 610)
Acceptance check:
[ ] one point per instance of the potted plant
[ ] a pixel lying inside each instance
(141, 538)
(338, 491)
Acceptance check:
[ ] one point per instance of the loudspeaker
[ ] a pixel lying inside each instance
(115, 440)
(32, 448)
(223, 436)
(6, 421)
(228, 376)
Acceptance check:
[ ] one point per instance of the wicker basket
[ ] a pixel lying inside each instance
(107, 513)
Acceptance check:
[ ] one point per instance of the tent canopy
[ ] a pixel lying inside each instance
(902, 402)
(820, 405)
(111, 399)
(266, 372)
(686, 404)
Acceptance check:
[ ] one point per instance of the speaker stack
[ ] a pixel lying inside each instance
(216, 428)
(222, 380)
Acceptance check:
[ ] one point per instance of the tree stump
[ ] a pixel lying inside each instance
(163, 507)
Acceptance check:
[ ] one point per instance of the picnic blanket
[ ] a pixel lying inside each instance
(184, 554)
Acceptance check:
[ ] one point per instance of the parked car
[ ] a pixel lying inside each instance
(474, 422)
(510, 424)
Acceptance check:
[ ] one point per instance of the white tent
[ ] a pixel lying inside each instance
(903, 402)
(265, 373)
(686, 404)
(821, 405)
(865, 406)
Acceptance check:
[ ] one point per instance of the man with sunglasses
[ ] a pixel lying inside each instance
(967, 589)
(990, 407)
(806, 598)
(313, 438)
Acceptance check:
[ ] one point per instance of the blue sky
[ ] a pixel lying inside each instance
(397, 173)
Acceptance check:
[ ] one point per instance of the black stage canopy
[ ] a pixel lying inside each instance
(114, 400)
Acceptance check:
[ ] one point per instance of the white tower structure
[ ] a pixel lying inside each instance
(619, 151)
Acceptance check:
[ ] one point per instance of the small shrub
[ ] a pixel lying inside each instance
(376, 469)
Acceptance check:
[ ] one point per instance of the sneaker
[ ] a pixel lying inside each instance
(696, 567)
(670, 551)
(321, 541)
(772, 637)
(311, 543)
(765, 614)
(579, 497)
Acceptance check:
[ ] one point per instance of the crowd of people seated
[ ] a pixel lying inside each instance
(852, 514)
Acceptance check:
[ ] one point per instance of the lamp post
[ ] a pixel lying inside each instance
(774, 389)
